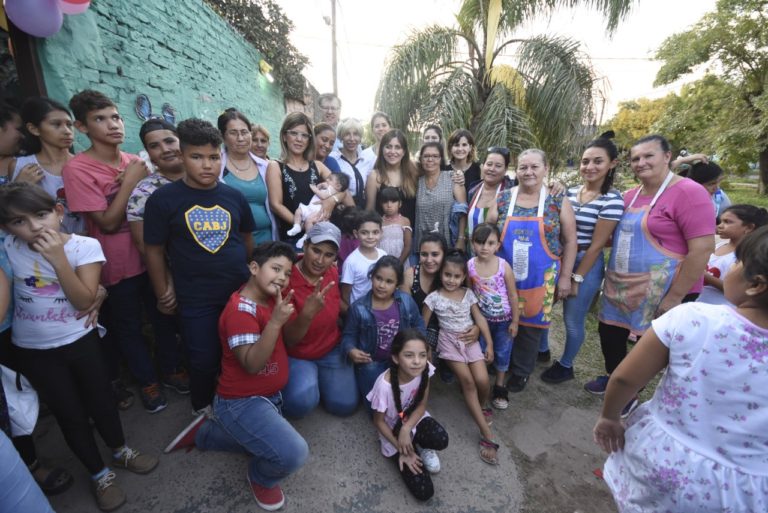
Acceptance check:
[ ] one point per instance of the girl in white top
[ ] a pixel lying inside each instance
(399, 403)
(736, 222)
(55, 275)
(700, 443)
(48, 136)
(456, 307)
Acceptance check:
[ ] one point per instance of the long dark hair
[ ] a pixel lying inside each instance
(398, 343)
(604, 142)
(34, 111)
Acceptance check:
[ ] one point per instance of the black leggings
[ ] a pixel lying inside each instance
(429, 435)
(613, 341)
(72, 380)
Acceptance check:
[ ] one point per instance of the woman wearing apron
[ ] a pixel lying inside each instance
(482, 197)
(538, 239)
(660, 251)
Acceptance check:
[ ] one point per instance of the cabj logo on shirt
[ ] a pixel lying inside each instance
(209, 226)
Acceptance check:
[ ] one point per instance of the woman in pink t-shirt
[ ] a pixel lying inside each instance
(660, 251)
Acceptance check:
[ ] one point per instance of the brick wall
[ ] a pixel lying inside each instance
(178, 51)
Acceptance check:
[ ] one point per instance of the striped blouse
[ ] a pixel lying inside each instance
(606, 206)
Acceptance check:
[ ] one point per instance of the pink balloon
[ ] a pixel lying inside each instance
(39, 18)
(73, 6)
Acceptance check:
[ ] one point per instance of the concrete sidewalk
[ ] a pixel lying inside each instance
(345, 473)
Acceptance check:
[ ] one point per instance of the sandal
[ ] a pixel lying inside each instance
(56, 481)
(487, 446)
(488, 414)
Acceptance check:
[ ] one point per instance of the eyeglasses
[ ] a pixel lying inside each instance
(499, 149)
(299, 135)
(330, 109)
(430, 157)
(260, 140)
(243, 133)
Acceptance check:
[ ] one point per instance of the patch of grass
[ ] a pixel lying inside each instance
(746, 195)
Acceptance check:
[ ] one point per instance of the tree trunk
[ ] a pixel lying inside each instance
(762, 185)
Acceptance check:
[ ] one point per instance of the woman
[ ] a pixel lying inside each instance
(260, 138)
(709, 175)
(436, 194)
(660, 251)
(538, 239)
(463, 155)
(318, 369)
(246, 172)
(598, 208)
(380, 125)
(482, 203)
(352, 161)
(393, 168)
(432, 133)
(288, 180)
(325, 138)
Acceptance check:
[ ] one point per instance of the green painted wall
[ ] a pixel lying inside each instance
(177, 51)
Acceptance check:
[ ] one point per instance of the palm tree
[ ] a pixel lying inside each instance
(452, 76)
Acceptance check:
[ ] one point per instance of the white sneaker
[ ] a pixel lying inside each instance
(429, 459)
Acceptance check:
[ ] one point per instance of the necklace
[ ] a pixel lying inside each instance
(314, 282)
(582, 202)
(238, 168)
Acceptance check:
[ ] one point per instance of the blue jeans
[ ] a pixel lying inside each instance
(502, 344)
(200, 326)
(366, 375)
(125, 305)
(575, 310)
(254, 425)
(18, 489)
(330, 378)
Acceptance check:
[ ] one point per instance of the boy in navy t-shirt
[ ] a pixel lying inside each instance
(204, 227)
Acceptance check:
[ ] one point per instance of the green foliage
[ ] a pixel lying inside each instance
(263, 24)
(637, 118)
(544, 99)
(733, 42)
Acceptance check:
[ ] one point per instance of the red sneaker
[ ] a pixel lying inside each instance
(270, 499)
(187, 436)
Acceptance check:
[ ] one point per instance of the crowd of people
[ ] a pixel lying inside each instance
(349, 276)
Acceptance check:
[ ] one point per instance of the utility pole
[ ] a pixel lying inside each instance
(333, 47)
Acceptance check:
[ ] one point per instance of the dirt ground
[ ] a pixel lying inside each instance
(547, 459)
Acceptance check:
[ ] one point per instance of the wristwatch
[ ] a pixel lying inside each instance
(577, 278)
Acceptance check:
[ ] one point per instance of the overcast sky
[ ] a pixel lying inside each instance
(368, 29)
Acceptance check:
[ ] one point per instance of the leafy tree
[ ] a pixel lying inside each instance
(636, 118)
(733, 40)
(455, 76)
(264, 24)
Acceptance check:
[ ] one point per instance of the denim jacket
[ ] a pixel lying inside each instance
(360, 329)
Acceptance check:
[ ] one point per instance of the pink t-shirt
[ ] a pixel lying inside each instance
(383, 401)
(91, 186)
(683, 212)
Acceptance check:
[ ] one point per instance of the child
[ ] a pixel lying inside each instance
(700, 443)
(55, 275)
(307, 215)
(399, 401)
(99, 182)
(10, 137)
(493, 282)
(205, 227)
(48, 135)
(344, 219)
(374, 319)
(735, 223)
(254, 368)
(354, 275)
(396, 231)
(455, 307)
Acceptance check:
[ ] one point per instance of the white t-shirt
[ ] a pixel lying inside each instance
(355, 273)
(718, 266)
(383, 401)
(43, 317)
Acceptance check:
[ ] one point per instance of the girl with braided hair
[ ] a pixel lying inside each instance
(408, 435)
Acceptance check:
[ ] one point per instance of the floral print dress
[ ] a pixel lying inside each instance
(701, 443)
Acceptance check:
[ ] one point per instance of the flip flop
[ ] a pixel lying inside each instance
(489, 444)
(57, 481)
